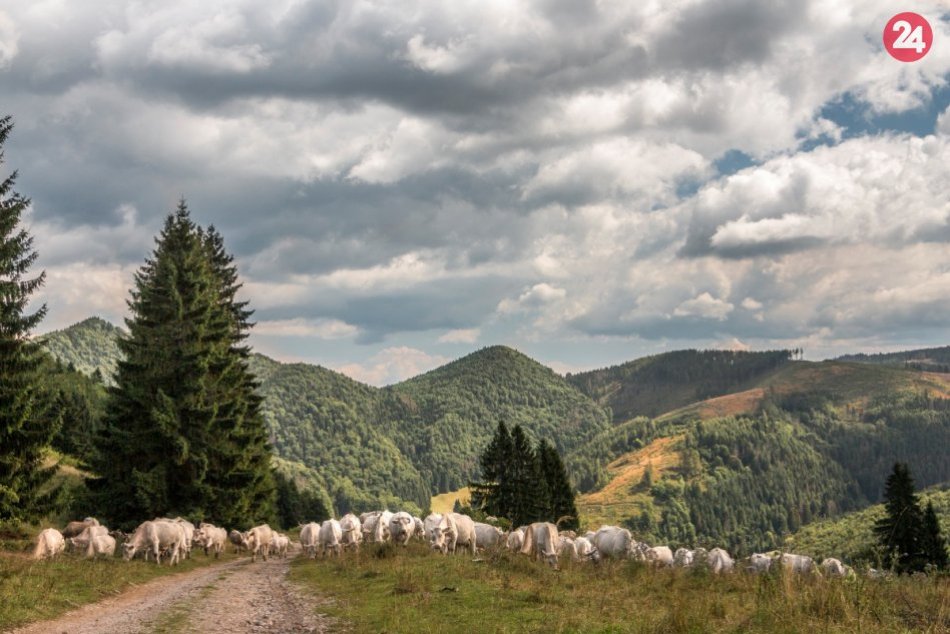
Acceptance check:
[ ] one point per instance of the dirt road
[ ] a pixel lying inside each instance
(233, 597)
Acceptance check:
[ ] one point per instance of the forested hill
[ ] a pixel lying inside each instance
(927, 359)
(654, 385)
(88, 346)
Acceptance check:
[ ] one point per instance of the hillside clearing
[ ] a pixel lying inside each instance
(445, 502)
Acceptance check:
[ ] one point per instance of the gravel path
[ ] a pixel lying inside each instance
(235, 597)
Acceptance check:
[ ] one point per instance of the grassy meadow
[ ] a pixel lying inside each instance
(33, 590)
(410, 590)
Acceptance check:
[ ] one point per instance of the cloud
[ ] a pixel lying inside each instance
(704, 305)
(463, 335)
(392, 365)
(300, 327)
(9, 39)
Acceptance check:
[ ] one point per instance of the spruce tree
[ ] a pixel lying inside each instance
(495, 461)
(899, 531)
(525, 485)
(183, 432)
(25, 426)
(561, 494)
(933, 544)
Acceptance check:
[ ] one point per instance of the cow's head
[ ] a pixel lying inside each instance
(437, 540)
(128, 551)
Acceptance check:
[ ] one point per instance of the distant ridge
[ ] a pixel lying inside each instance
(90, 345)
(927, 359)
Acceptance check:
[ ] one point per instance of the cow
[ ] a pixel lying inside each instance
(659, 556)
(684, 558)
(585, 549)
(186, 526)
(801, 564)
(488, 536)
(368, 523)
(81, 541)
(444, 534)
(401, 527)
(381, 527)
(154, 537)
(718, 561)
(309, 536)
(280, 545)
(352, 532)
(759, 563)
(211, 539)
(49, 543)
(613, 541)
(832, 567)
(515, 539)
(465, 532)
(258, 540)
(429, 524)
(100, 545)
(566, 547)
(330, 538)
(236, 537)
(419, 528)
(541, 542)
(75, 528)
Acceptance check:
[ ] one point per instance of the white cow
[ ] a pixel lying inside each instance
(309, 535)
(81, 541)
(280, 545)
(330, 538)
(444, 534)
(401, 527)
(515, 539)
(613, 541)
(832, 567)
(465, 532)
(801, 564)
(258, 540)
(75, 528)
(566, 547)
(186, 526)
(429, 524)
(541, 542)
(488, 536)
(236, 537)
(419, 528)
(368, 524)
(659, 556)
(352, 531)
(759, 563)
(684, 558)
(719, 561)
(154, 537)
(49, 543)
(100, 545)
(211, 538)
(585, 549)
(381, 528)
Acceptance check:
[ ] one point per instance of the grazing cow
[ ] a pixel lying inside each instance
(759, 563)
(419, 528)
(585, 549)
(659, 556)
(488, 536)
(236, 537)
(368, 524)
(258, 540)
(352, 531)
(309, 536)
(381, 527)
(186, 526)
(211, 538)
(49, 543)
(280, 545)
(801, 564)
(613, 541)
(541, 542)
(515, 539)
(330, 538)
(465, 532)
(566, 547)
(430, 523)
(154, 537)
(719, 561)
(75, 528)
(684, 558)
(401, 527)
(101, 545)
(81, 541)
(832, 567)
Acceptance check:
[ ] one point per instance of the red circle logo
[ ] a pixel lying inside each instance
(908, 37)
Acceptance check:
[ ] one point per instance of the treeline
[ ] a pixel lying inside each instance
(655, 385)
(926, 359)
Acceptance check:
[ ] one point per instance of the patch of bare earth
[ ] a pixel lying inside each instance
(236, 597)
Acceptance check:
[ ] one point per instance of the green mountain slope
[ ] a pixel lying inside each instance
(87, 346)
(851, 537)
(930, 359)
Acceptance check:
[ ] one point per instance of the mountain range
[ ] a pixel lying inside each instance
(734, 448)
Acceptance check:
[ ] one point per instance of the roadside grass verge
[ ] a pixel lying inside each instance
(410, 590)
(33, 590)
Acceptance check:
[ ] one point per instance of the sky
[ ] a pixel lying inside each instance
(589, 182)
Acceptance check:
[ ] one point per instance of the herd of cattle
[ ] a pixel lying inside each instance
(448, 533)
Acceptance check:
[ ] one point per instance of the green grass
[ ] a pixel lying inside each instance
(410, 590)
(38, 590)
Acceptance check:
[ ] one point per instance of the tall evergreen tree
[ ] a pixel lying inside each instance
(524, 484)
(495, 461)
(561, 493)
(933, 543)
(183, 432)
(25, 426)
(899, 531)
